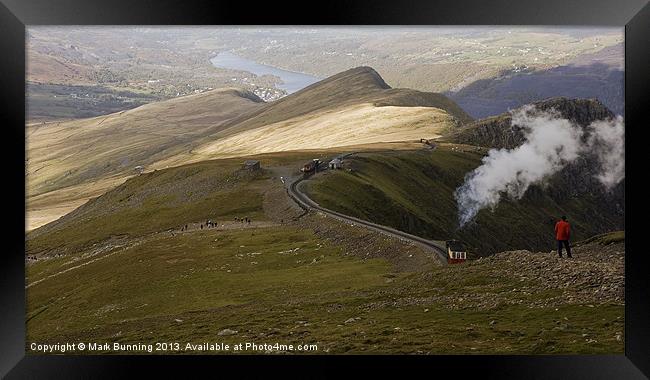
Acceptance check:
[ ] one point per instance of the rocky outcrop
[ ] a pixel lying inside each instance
(595, 274)
(498, 131)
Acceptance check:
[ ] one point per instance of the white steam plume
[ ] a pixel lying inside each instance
(551, 143)
(608, 140)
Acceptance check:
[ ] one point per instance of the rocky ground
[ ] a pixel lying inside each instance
(367, 244)
(595, 275)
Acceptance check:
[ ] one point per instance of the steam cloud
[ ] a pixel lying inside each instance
(551, 144)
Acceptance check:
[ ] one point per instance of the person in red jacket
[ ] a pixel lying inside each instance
(562, 235)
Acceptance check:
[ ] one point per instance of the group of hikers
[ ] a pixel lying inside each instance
(209, 223)
(245, 219)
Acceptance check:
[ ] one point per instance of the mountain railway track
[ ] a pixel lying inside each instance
(308, 204)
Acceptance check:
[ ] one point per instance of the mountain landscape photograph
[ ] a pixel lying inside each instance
(324, 190)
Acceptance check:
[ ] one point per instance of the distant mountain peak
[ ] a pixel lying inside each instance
(371, 73)
(364, 76)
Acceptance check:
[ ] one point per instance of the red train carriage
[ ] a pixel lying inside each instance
(456, 252)
(310, 166)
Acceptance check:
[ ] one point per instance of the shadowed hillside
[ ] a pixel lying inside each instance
(599, 75)
(155, 202)
(497, 131)
(413, 192)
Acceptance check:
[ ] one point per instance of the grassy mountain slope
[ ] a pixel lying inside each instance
(154, 202)
(349, 108)
(413, 192)
(72, 161)
(65, 154)
(297, 282)
(286, 285)
(354, 86)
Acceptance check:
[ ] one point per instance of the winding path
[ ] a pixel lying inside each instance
(307, 204)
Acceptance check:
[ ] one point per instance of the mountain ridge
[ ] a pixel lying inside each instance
(357, 85)
(498, 132)
(352, 107)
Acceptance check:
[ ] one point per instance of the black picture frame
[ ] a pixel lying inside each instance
(15, 15)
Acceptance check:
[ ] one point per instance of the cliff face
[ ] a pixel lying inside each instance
(498, 131)
(577, 182)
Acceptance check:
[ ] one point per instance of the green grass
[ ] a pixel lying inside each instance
(605, 239)
(286, 284)
(140, 295)
(206, 270)
(413, 192)
(158, 201)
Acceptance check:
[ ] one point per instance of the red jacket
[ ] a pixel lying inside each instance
(562, 230)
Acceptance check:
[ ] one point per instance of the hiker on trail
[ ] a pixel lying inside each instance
(186, 227)
(562, 235)
(201, 226)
